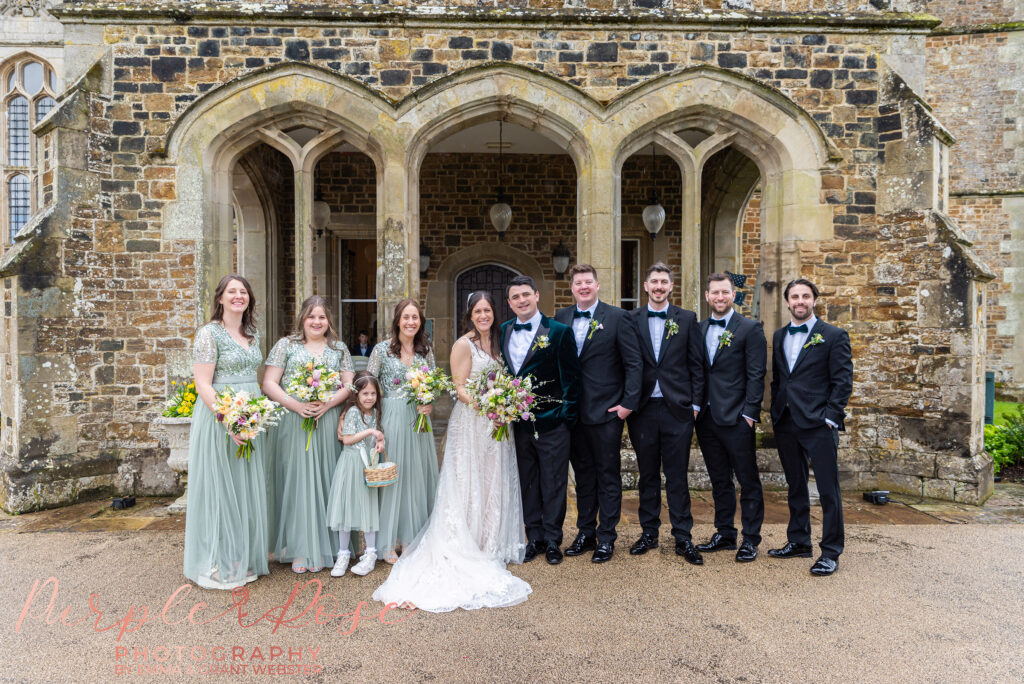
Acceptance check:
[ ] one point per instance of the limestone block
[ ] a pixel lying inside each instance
(912, 484)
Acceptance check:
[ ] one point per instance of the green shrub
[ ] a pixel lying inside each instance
(1005, 441)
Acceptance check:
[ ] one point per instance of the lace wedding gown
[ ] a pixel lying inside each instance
(476, 528)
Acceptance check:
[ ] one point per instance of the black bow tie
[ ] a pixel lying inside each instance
(522, 326)
(719, 322)
(580, 314)
(794, 329)
(657, 314)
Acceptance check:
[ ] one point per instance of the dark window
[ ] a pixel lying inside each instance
(17, 132)
(19, 197)
(44, 107)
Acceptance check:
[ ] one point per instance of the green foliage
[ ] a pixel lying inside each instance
(1005, 440)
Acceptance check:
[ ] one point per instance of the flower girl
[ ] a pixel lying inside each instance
(352, 505)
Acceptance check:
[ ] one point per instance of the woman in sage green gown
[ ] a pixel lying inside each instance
(303, 477)
(226, 522)
(406, 505)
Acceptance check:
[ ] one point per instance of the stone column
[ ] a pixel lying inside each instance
(599, 225)
(398, 249)
(303, 235)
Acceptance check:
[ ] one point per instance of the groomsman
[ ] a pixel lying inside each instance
(671, 394)
(812, 378)
(542, 347)
(611, 372)
(736, 353)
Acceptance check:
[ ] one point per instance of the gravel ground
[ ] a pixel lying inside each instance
(918, 603)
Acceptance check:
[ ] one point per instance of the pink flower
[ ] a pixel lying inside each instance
(525, 415)
(398, 381)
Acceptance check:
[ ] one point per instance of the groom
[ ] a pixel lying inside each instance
(541, 347)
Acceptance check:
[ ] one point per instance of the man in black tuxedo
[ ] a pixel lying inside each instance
(539, 346)
(735, 355)
(812, 379)
(611, 370)
(671, 394)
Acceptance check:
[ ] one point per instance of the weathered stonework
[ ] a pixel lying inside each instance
(792, 139)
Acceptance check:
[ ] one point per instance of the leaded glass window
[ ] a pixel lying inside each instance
(19, 202)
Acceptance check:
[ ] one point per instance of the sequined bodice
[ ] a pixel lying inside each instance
(388, 368)
(214, 344)
(355, 423)
(290, 354)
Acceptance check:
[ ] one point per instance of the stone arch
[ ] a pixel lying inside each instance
(790, 151)
(440, 304)
(209, 138)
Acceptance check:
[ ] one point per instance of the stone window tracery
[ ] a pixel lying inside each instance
(29, 93)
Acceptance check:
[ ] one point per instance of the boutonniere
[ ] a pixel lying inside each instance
(671, 328)
(816, 338)
(595, 325)
(725, 340)
(542, 342)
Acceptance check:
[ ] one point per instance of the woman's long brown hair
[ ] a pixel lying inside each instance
(248, 316)
(468, 327)
(361, 380)
(420, 342)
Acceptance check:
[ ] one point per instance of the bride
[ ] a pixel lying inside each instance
(476, 528)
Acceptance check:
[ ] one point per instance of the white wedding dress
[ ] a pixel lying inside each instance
(458, 559)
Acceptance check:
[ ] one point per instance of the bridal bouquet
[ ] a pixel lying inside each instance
(422, 387)
(502, 398)
(315, 382)
(245, 415)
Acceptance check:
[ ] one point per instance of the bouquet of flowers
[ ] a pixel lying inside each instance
(181, 401)
(315, 382)
(422, 387)
(502, 398)
(245, 415)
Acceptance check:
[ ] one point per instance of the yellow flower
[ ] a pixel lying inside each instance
(190, 397)
(173, 382)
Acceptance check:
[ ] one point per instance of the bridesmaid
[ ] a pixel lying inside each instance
(405, 505)
(303, 478)
(226, 524)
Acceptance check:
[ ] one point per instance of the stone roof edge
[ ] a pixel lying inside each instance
(272, 13)
(951, 233)
(25, 240)
(969, 29)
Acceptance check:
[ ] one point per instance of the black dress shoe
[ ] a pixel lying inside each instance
(791, 550)
(747, 552)
(687, 550)
(824, 566)
(645, 543)
(716, 543)
(553, 554)
(531, 552)
(581, 544)
(603, 552)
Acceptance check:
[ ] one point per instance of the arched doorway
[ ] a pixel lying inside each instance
(493, 279)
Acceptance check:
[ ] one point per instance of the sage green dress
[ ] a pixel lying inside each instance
(353, 505)
(226, 520)
(303, 478)
(406, 505)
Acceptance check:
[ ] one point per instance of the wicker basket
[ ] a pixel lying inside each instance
(381, 474)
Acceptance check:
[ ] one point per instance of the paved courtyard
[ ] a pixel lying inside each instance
(925, 593)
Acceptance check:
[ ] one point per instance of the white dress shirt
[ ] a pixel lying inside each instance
(520, 340)
(715, 334)
(657, 327)
(581, 327)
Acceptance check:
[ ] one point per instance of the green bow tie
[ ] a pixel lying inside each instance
(794, 329)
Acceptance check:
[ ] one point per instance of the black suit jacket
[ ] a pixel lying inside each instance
(821, 381)
(610, 361)
(679, 368)
(556, 372)
(734, 383)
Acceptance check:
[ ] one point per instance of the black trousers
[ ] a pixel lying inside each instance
(662, 442)
(732, 450)
(543, 477)
(818, 447)
(596, 462)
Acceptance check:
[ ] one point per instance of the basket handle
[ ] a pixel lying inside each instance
(364, 457)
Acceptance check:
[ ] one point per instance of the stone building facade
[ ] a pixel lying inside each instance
(854, 143)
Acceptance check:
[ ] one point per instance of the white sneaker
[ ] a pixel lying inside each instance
(365, 564)
(341, 564)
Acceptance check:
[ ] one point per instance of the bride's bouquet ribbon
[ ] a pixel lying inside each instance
(245, 415)
(314, 382)
(422, 387)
